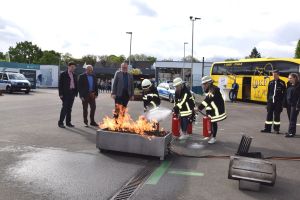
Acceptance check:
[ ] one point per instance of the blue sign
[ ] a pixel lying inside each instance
(19, 65)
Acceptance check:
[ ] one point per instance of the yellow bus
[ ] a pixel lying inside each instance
(252, 75)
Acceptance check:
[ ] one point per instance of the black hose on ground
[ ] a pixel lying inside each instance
(289, 158)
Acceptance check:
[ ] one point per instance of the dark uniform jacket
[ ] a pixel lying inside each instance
(64, 84)
(292, 97)
(276, 91)
(151, 98)
(184, 102)
(214, 104)
(83, 85)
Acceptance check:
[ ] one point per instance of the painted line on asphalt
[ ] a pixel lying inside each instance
(185, 173)
(158, 173)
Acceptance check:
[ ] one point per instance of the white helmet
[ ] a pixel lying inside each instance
(146, 84)
(177, 81)
(206, 79)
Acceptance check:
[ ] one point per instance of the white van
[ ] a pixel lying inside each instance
(13, 82)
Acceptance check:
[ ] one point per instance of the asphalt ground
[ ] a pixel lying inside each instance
(41, 161)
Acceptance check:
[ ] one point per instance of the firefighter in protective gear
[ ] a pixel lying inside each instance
(214, 105)
(184, 105)
(150, 95)
(275, 98)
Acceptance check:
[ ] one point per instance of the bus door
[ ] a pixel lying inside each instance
(246, 92)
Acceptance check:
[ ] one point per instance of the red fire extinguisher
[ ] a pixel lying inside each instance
(175, 125)
(190, 128)
(206, 126)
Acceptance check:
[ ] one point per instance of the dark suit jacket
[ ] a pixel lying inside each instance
(83, 85)
(64, 84)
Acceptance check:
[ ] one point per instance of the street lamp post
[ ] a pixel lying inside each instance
(193, 19)
(183, 76)
(130, 46)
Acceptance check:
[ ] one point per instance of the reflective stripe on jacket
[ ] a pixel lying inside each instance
(184, 100)
(151, 98)
(214, 104)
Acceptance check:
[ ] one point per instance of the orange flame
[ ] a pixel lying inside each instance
(123, 122)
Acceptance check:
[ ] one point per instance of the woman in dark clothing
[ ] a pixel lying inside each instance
(292, 103)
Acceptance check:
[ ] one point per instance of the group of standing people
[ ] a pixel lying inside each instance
(86, 87)
(104, 86)
(69, 87)
(280, 96)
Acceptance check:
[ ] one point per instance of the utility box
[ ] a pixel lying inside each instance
(252, 169)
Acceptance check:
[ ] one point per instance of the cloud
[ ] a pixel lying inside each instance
(273, 49)
(287, 33)
(159, 28)
(143, 9)
(10, 33)
(66, 45)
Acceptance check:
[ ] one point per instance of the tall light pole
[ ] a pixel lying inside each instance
(183, 76)
(130, 46)
(193, 19)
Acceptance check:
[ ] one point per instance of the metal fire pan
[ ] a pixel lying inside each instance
(133, 143)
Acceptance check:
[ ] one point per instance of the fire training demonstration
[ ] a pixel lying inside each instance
(213, 116)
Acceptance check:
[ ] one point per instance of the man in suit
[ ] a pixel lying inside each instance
(122, 90)
(88, 92)
(67, 91)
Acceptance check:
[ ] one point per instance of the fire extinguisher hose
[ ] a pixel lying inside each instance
(288, 158)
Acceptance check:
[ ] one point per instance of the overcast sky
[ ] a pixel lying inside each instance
(228, 28)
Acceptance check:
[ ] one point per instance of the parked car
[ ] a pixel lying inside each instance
(14, 81)
(167, 91)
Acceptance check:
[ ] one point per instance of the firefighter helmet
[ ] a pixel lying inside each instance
(177, 81)
(146, 84)
(206, 79)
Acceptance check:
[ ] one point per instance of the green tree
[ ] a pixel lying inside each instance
(2, 56)
(25, 52)
(189, 59)
(142, 57)
(254, 53)
(231, 59)
(297, 51)
(151, 59)
(50, 58)
(65, 58)
(89, 59)
(168, 59)
(111, 60)
(115, 61)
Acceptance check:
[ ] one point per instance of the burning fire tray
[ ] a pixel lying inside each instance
(133, 143)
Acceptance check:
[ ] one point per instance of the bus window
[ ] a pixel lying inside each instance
(244, 69)
(263, 68)
(219, 69)
(285, 68)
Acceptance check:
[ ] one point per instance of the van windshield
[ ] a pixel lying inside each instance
(16, 77)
